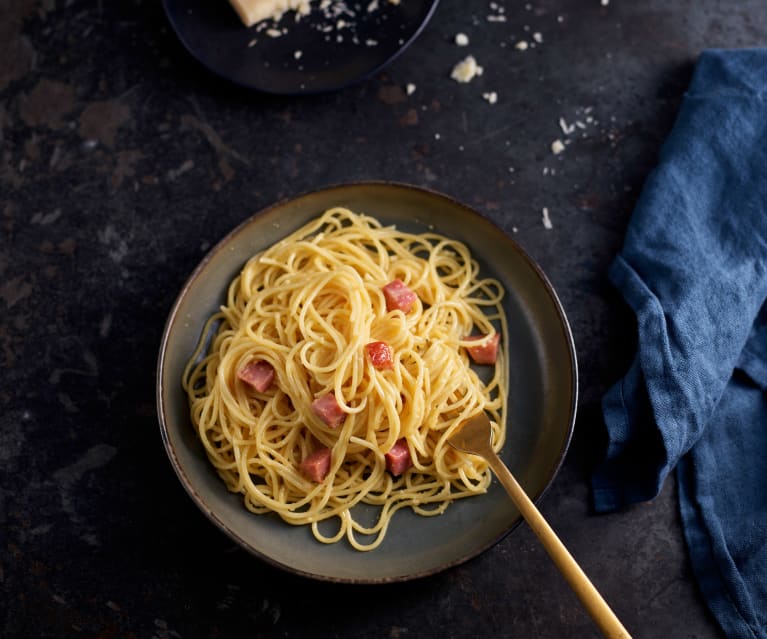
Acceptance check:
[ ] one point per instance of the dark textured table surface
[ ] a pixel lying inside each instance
(122, 162)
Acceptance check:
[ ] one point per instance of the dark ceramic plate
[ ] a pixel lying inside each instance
(313, 54)
(541, 407)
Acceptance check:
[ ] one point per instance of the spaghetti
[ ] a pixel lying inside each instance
(313, 312)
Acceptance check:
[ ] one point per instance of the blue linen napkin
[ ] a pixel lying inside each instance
(693, 268)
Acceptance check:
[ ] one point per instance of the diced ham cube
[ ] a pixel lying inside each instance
(316, 465)
(258, 374)
(398, 458)
(485, 353)
(399, 296)
(380, 355)
(327, 409)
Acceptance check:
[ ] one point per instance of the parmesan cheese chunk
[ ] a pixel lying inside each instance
(253, 11)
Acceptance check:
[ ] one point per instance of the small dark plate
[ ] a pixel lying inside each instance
(543, 391)
(312, 55)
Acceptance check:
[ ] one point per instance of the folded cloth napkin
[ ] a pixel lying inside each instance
(693, 268)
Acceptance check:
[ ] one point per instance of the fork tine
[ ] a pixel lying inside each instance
(474, 436)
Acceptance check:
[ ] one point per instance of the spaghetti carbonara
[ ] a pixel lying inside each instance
(344, 357)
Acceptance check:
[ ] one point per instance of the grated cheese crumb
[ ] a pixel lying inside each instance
(557, 147)
(466, 70)
(491, 97)
(410, 88)
(546, 219)
(461, 39)
(521, 45)
(567, 129)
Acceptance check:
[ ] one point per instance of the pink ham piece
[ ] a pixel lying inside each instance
(398, 458)
(380, 355)
(399, 296)
(485, 353)
(316, 465)
(327, 409)
(258, 374)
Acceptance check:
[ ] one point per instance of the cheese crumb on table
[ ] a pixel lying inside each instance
(546, 219)
(567, 129)
(557, 147)
(461, 39)
(410, 88)
(466, 70)
(491, 97)
(521, 45)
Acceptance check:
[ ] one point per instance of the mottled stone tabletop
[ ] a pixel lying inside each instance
(122, 162)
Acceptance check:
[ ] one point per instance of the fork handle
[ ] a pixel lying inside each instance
(595, 605)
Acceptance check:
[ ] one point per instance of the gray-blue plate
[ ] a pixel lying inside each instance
(542, 399)
(312, 55)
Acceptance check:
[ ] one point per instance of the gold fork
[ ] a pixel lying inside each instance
(474, 437)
